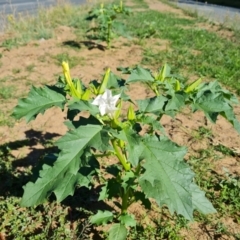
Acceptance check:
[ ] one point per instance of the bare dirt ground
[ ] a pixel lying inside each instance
(40, 54)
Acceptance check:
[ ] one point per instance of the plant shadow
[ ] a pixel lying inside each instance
(89, 44)
(14, 169)
(72, 44)
(16, 172)
(93, 45)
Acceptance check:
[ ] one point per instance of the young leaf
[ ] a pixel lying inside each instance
(101, 217)
(63, 176)
(118, 232)
(140, 74)
(37, 101)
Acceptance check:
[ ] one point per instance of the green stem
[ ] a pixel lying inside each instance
(109, 34)
(138, 169)
(120, 155)
(104, 154)
(124, 202)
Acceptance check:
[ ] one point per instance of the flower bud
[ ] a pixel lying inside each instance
(86, 95)
(131, 113)
(104, 83)
(193, 86)
(177, 86)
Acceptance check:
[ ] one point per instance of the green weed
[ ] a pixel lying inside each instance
(16, 70)
(72, 60)
(30, 68)
(6, 92)
(216, 57)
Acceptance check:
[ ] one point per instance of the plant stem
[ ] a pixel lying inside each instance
(120, 156)
(138, 169)
(109, 34)
(124, 202)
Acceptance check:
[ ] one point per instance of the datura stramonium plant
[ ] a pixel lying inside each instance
(145, 163)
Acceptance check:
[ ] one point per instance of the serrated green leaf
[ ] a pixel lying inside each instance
(230, 116)
(140, 74)
(37, 101)
(167, 178)
(110, 189)
(101, 217)
(152, 105)
(151, 121)
(200, 202)
(54, 179)
(211, 105)
(128, 220)
(175, 103)
(117, 232)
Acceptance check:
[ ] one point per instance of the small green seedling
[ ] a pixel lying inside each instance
(107, 26)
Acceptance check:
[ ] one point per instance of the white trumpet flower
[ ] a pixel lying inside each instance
(106, 102)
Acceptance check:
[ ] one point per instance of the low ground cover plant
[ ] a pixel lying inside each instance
(146, 163)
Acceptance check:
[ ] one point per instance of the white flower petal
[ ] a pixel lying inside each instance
(96, 100)
(102, 109)
(115, 99)
(106, 102)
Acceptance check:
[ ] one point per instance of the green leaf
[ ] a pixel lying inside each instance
(101, 217)
(200, 202)
(63, 176)
(175, 103)
(151, 121)
(211, 105)
(230, 116)
(117, 232)
(82, 105)
(128, 220)
(140, 74)
(167, 178)
(111, 189)
(152, 105)
(37, 101)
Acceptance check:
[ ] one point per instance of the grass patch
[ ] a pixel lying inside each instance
(217, 58)
(6, 92)
(72, 60)
(42, 25)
